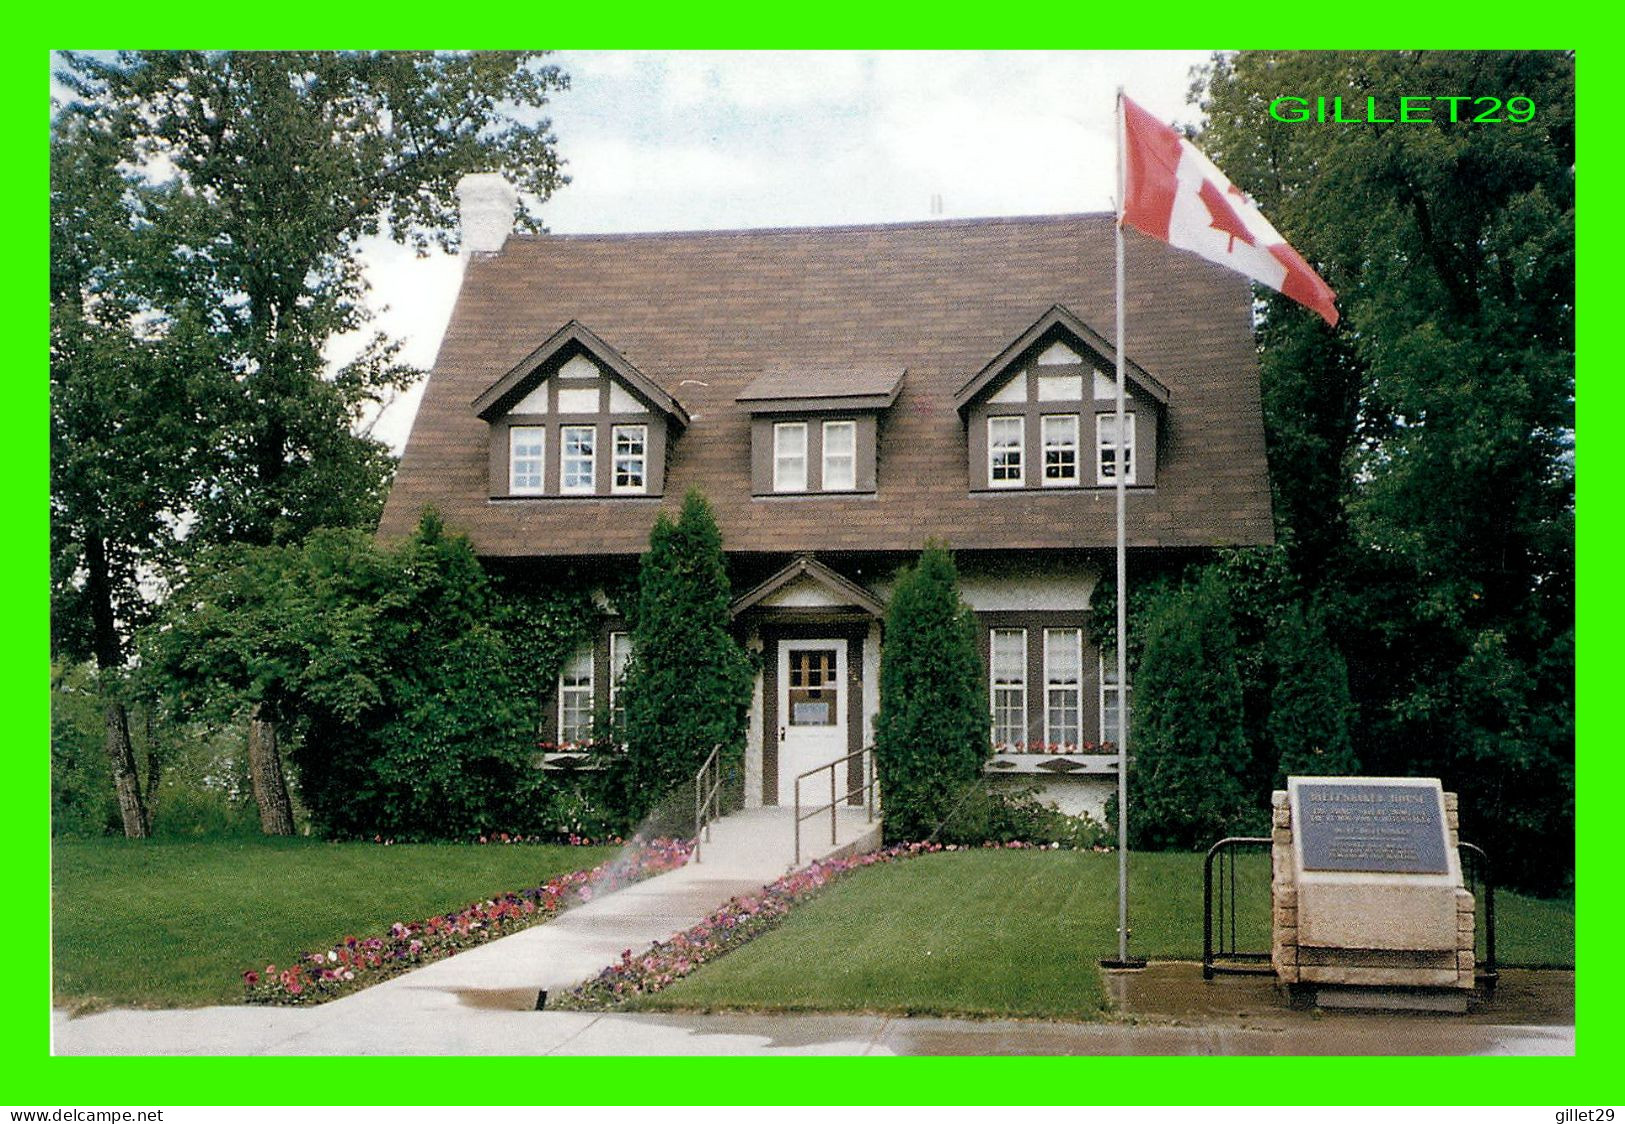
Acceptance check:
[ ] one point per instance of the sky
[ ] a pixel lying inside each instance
(708, 141)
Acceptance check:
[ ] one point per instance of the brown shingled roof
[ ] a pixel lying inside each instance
(703, 315)
(872, 388)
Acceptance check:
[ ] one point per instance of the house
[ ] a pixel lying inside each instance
(841, 395)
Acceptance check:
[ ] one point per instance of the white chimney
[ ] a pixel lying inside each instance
(487, 202)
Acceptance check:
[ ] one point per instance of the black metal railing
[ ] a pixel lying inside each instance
(1480, 880)
(1220, 907)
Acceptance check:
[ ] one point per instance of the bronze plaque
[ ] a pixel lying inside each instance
(1385, 828)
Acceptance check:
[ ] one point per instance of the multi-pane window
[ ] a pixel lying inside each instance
(620, 652)
(575, 698)
(526, 458)
(1005, 440)
(1111, 699)
(1063, 686)
(1106, 444)
(790, 457)
(1060, 434)
(577, 465)
(1008, 657)
(631, 459)
(840, 456)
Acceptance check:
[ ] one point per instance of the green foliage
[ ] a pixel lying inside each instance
(991, 811)
(1187, 750)
(1422, 454)
(1309, 706)
(931, 735)
(385, 665)
(542, 623)
(688, 682)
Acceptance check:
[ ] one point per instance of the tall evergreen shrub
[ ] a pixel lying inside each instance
(932, 733)
(1185, 741)
(688, 682)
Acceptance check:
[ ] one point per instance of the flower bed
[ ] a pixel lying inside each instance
(355, 963)
(738, 922)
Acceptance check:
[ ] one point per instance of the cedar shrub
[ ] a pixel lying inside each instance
(932, 734)
(688, 681)
(1187, 751)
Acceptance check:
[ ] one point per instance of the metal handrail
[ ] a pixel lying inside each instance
(870, 792)
(1488, 973)
(1210, 954)
(707, 802)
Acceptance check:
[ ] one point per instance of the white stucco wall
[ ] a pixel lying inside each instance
(753, 741)
(1073, 795)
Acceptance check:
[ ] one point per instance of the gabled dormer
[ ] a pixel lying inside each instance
(574, 418)
(1041, 413)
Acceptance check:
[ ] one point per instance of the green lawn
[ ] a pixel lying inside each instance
(169, 924)
(1010, 933)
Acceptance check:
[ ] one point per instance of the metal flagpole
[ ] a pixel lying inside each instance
(1119, 471)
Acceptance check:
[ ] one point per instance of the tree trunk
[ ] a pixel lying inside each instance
(121, 757)
(265, 769)
(120, 754)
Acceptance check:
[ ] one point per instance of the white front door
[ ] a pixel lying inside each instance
(812, 717)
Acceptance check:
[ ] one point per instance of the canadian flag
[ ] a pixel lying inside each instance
(1176, 194)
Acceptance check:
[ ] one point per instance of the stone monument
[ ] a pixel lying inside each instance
(1369, 905)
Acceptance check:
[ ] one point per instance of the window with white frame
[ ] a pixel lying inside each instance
(631, 473)
(1063, 686)
(527, 456)
(576, 698)
(1005, 441)
(840, 456)
(620, 652)
(790, 457)
(1060, 435)
(1007, 649)
(1106, 446)
(1111, 699)
(578, 450)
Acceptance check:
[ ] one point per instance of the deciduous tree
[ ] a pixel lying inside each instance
(257, 176)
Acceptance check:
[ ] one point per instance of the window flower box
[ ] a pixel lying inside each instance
(576, 756)
(1039, 759)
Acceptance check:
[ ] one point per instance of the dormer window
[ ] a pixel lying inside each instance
(608, 423)
(1046, 392)
(1006, 440)
(1106, 445)
(578, 446)
(1060, 432)
(527, 459)
(814, 431)
(631, 460)
(790, 457)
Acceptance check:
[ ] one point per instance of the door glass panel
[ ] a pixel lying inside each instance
(813, 689)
